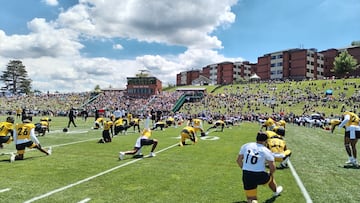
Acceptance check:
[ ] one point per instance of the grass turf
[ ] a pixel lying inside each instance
(81, 169)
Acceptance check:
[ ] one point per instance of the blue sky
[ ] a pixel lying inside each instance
(72, 46)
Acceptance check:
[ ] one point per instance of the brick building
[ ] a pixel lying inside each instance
(221, 73)
(294, 64)
(143, 86)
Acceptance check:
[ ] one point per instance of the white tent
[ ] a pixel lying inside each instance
(254, 77)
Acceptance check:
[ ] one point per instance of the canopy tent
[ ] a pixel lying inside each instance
(254, 77)
(329, 92)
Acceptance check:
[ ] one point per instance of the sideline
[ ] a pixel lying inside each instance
(300, 184)
(93, 177)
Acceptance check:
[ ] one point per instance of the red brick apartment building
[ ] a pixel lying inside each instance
(293, 64)
(296, 64)
(221, 73)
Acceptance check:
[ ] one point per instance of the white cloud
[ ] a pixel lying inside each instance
(51, 51)
(118, 46)
(186, 23)
(43, 40)
(51, 2)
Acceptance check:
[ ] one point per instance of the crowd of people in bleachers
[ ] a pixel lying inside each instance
(232, 104)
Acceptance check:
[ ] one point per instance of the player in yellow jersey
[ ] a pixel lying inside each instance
(43, 126)
(143, 140)
(159, 124)
(281, 123)
(18, 112)
(270, 133)
(269, 124)
(135, 123)
(278, 148)
(280, 130)
(99, 122)
(218, 124)
(333, 124)
(352, 133)
(197, 124)
(187, 132)
(24, 136)
(129, 117)
(170, 121)
(120, 126)
(6, 131)
(107, 132)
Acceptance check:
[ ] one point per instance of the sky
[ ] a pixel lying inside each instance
(75, 45)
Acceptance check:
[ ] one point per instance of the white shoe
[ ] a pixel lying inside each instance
(49, 151)
(121, 155)
(350, 161)
(12, 157)
(279, 189)
(152, 154)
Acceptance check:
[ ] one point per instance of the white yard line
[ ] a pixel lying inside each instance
(92, 177)
(85, 200)
(300, 184)
(5, 190)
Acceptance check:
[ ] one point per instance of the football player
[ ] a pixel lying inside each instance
(278, 148)
(159, 124)
(24, 136)
(136, 124)
(352, 133)
(120, 126)
(143, 140)
(99, 122)
(197, 124)
(107, 133)
(218, 124)
(187, 132)
(6, 131)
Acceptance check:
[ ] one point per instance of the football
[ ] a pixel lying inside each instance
(65, 130)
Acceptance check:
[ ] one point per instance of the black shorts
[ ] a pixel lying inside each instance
(161, 125)
(22, 146)
(145, 142)
(357, 134)
(4, 139)
(281, 131)
(252, 179)
(106, 135)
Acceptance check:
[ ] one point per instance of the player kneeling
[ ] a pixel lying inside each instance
(187, 132)
(278, 148)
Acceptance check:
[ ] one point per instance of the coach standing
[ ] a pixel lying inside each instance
(72, 117)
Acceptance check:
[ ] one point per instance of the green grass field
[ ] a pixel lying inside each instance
(81, 170)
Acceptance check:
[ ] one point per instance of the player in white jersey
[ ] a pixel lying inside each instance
(252, 159)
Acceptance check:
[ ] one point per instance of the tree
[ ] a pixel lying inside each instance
(97, 88)
(15, 78)
(344, 63)
(355, 43)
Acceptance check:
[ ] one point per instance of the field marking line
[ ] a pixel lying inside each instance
(85, 200)
(5, 190)
(92, 177)
(300, 184)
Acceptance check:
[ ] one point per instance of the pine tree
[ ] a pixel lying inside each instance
(15, 78)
